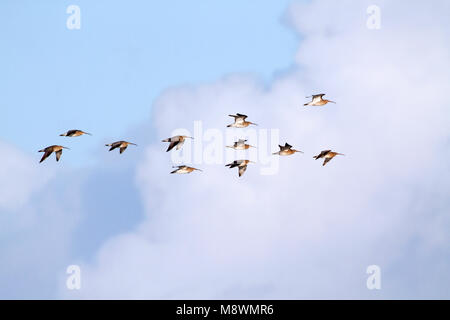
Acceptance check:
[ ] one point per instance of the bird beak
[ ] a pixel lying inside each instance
(298, 151)
(199, 170)
(252, 161)
(87, 133)
(134, 144)
(253, 147)
(61, 135)
(66, 148)
(253, 123)
(331, 101)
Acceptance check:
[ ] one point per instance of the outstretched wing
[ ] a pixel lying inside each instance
(115, 145)
(71, 132)
(58, 154)
(287, 145)
(322, 154)
(326, 161)
(242, 170)
(172, 145)
(317, 97)
(180, 144)
(45, 156)
(122, 149)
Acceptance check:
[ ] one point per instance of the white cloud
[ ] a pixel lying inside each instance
(309, 231)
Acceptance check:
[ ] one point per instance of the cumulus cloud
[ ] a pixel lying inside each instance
(308, 231)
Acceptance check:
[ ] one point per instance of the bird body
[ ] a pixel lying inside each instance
(240, 145)
(239, 121)
(327, 155)
(241, 164)
(176, 141)
(49, 150)
(286, 150)
(119, 144)
(184, 169)
(74, 133)
(317, 100)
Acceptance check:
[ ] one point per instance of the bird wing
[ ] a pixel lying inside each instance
(287, 145)
(171, 145)
(58, 154)
(242, 170)
(326, 161)
(180, 144)
(239, 118)
(233, 164)
(71, 132)
(115, 145)
(122, 149)
(322, 154)
(46, 154)
(317, 97)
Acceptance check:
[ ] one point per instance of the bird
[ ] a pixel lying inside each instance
(240, 145)
(119, 144)
(317, 100)
(239, 121)
(74, 133)
(177, 141)
(328, 155)
(184, 169)
(48, 151)
(241, 164)
(286, 150)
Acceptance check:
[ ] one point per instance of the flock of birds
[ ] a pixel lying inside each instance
(178, 141)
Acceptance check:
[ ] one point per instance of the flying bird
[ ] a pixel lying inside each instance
(240, 145)
(286, 150)
(48, 151)
(184, 169)
(241, 164)
(239, 121)
(74, 133)
(317, 100)
(176, 141)
(119, 144)
(327, 155)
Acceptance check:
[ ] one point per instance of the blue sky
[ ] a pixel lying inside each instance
(138, 70)
(104, 77)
